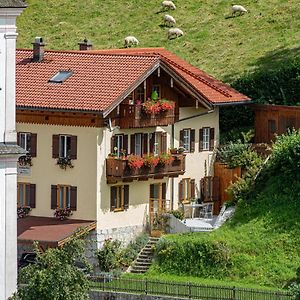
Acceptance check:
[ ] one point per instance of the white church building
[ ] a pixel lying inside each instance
(9, 151)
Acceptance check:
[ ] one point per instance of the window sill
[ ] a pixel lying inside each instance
(118, 209)
(185, 202)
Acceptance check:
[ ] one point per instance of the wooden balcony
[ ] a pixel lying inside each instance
(133, 116)
(119, 170)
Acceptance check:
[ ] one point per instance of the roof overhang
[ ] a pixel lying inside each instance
(242, 102)
(51, 232)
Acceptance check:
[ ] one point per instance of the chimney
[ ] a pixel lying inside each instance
(85, 45)
(38, 49)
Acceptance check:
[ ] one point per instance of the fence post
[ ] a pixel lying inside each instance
(233, 293)
(146, 286)
(190, 290)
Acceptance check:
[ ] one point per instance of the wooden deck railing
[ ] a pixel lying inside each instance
(132, 116)
(119, 170)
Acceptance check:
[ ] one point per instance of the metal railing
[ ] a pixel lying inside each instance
(183, 290)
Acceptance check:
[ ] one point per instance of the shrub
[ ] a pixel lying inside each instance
(177, 214)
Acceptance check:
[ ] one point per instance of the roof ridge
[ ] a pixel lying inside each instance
(196, 76)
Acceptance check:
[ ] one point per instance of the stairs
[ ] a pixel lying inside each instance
(144, 259)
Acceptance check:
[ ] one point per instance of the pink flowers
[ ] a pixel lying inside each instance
(135, 161)
(157, 106)
(151, 161)
(62, 213)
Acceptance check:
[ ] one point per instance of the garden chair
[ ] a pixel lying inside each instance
(207, 211)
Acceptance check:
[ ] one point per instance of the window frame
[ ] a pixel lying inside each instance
(120, 204)
(206, 138)
(140, 145)
(188, 130)
(157, 88)
(26, 194)
(65, 74)
(27, 135)
(65, 150)
(65, 200)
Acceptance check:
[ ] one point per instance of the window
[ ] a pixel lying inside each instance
(140, 93)
(187, 139)
(26, 195)
(60, 76)
(156, 87)
(206, 139)
(138, 144)
(157, 198)
(119, 145)
(64, 146)
(119, 197)
(186, 189)
(63, 196)
(28, 141)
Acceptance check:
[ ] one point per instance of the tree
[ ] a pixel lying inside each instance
(54, 276)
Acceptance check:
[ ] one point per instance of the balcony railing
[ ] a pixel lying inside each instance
(133, 116)
(119, 170)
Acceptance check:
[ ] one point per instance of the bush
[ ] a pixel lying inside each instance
(177, 214)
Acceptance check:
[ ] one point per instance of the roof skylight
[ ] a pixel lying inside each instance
(60, 77)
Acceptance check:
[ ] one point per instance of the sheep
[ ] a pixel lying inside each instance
(169, 20)
(238, 8)
(168, 5)
(174, 32)
(130, 40)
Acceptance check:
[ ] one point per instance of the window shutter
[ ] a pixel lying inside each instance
(132, 144)
(112, 144)
(55, 146)
(212, 139)
(126, 196)
(151, 191)
(192, 141)
(152, 140)
(202, 189)
(53, 196)
(125, 143)
(180, 191)
(73, 147)
(201, 139)
(215, 188)
(73, 198)
(145, 143)
(181, 138)
(163, 190)
(192, 187)
(27, 195)
(164, 142)
(32, 196)
(18, 138)
(33, 141)
(113, 198)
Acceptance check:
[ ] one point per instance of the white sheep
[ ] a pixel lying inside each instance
(169, 20)
(174, 32)
(130, 40)
(238, 8)
(168, 5)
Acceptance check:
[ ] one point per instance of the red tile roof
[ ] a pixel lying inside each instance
(50, 231)
(102, 77)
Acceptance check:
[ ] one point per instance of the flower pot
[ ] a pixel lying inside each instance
(155, 233)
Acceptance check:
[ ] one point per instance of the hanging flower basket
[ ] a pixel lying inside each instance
(65, 162)
(23, 212)
(25, 160)
(62, 213)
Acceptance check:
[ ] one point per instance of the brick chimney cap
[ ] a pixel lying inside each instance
(38, 40)
(86, 42)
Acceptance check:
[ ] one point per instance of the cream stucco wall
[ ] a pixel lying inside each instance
(46, 172)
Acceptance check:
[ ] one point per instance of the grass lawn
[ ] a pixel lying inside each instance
(220, 45)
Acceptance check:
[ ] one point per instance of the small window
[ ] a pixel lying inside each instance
(64, 145)
(206, 138)
(60, 77)
(140, 93)
(186, 139)
(63, 196)
(186, 190)
(119, 197)
(23, 194)
(156, 88)
(25, 138)
(138, 144)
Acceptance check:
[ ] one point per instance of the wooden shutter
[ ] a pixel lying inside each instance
(201, 139)
(151, 191)
(73, 147)
(180, 191)
(126, 196)
(163, 138)
(32, 196)
(202, 189)
(27, 195)
(112, 144)
(18, 138)
(125, 143)
(192, 187)
(145, 143)
(163, 190)
(53, 196)
(215, 188)
(211, 139)
(152, 140)
(192, 140)
(132, 144)
(181, 138)
(55, 146)
(113, 197)
(33, 140)
(73, 198)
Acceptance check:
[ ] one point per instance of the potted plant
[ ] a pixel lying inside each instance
(65, 162)
(166, 159)
(62, 213)
(25, 160)
(181, 150)
(135, 161)
(23, 212)
(173, 150)
(151, 161)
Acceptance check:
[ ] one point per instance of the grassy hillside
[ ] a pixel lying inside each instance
(224, 47)
(260, 245)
